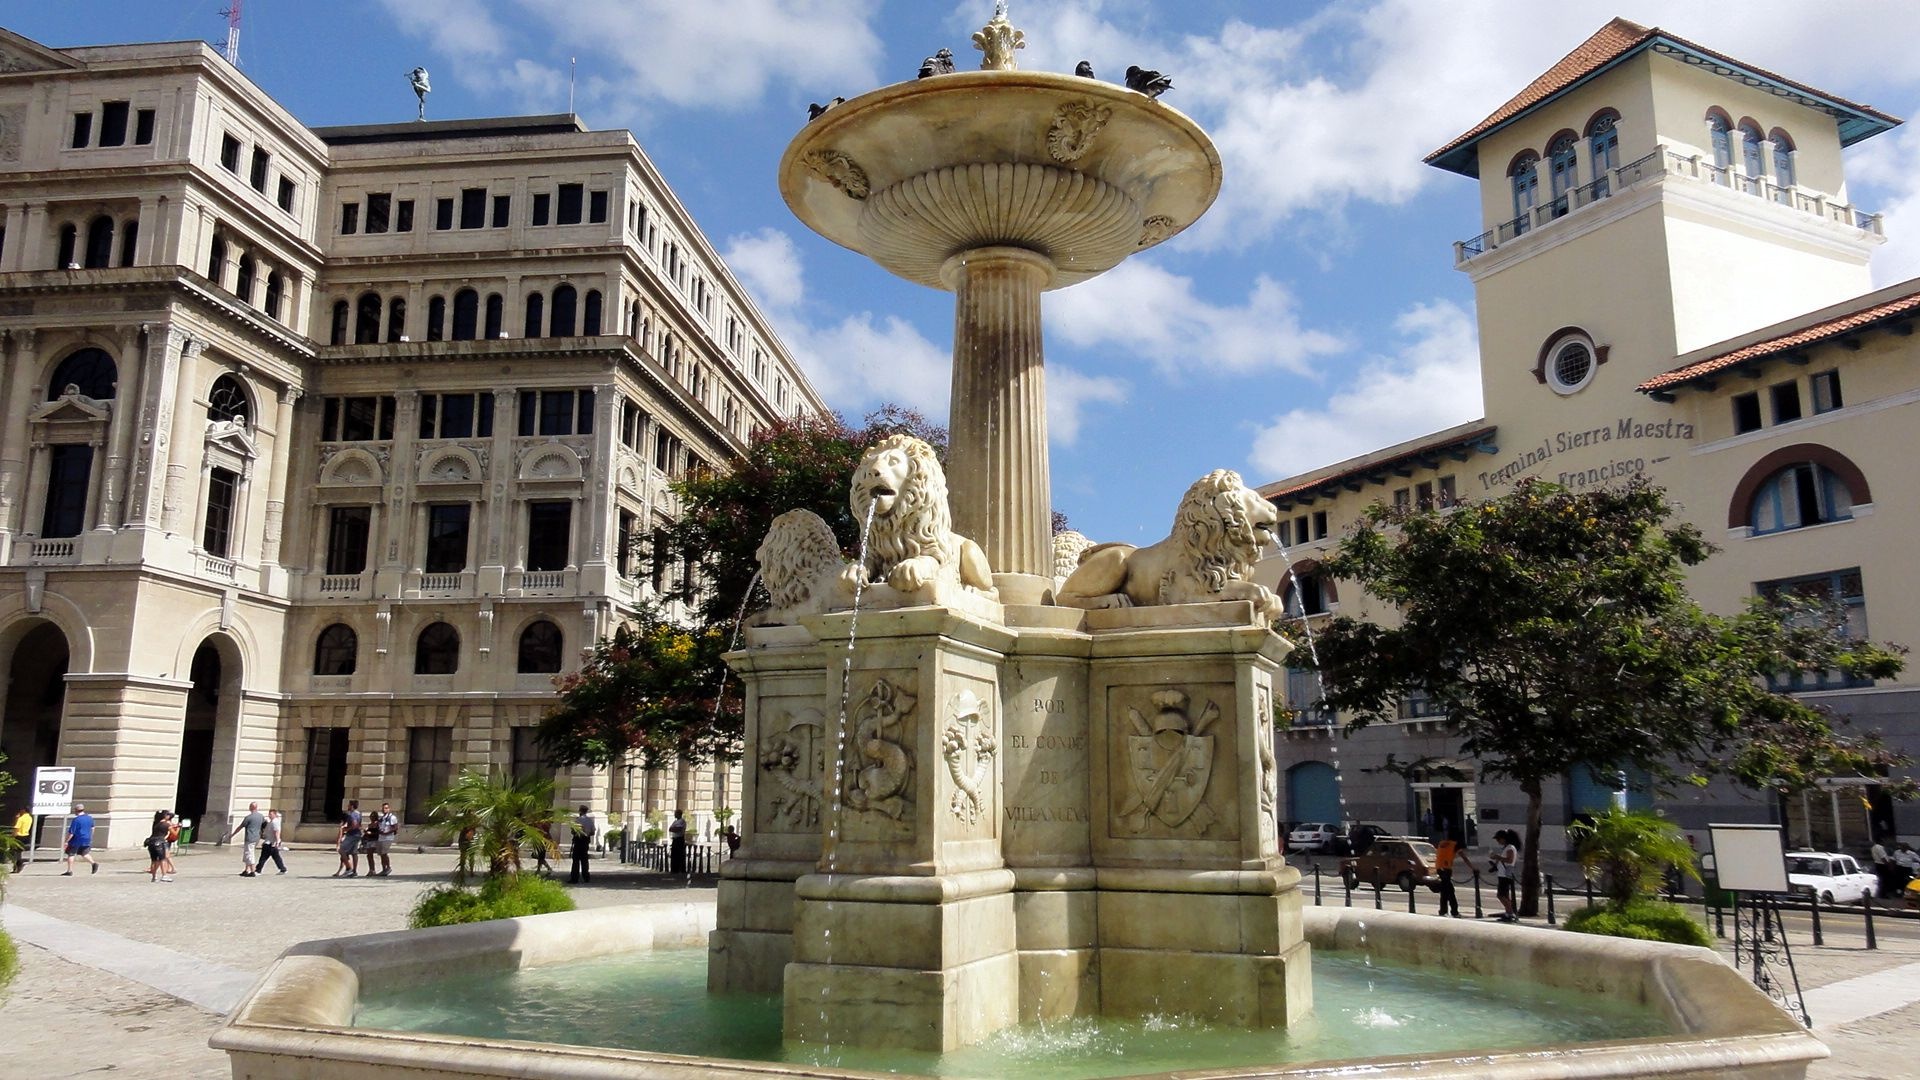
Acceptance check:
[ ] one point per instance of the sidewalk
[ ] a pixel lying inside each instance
(117, 973)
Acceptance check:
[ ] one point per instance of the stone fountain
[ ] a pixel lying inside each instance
(1007, 798)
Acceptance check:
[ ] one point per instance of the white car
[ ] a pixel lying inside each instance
(1831, 877)
(1312, 836)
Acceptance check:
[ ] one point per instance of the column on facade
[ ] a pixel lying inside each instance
(124, 406)
(122, 733)
(150, 224)
(182, 426)
(398, 541)
(601, 478)
(415, 326)
(16, 226)
(16, 390)
(33, 239)
(277, 476)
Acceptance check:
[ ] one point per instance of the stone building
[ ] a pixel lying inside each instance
(1672, 281)
(320, 449)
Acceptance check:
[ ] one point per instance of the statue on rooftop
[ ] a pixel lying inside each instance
(421, 88)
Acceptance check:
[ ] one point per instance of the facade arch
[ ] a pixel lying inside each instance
(336, 650)
(99, 252)
(366, 319)
(352, 467)
(1747, 491)
(396, 319)
(541, 649)
(565, 304)
(1307, 589)
(230, 401)
(553, 461)
(436, 650)
(466, 315)
(36, 656)
(90, 368)
(450, 465)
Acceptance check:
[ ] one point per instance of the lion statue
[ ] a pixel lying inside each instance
(799, 564)
(1218, 534)
(899, 495)
(1068, 546)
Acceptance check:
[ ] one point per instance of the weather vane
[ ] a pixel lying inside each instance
(421, 88)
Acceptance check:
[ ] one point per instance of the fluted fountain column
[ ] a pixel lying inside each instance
(998, 450)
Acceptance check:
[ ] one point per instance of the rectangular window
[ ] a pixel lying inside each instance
(568, 212)
(658, 570)
(549, 525)
(349, 218)
(257, 175)
(633, 425)
(1402, 498)
(1746, 412)
(403, 216)
(222, 487)
(542, 208)
(1786, 402)
(143, 127)
(556, 412)
(230, 153)
(70, 469)
(1826, 391)
(1319, 524)
(1300, 533)
(662, 448)
(1283, 533)
(347, 531)
(357, 419)
(623, 543)
(1447, 495)
(447, 538)
(456, 416)
(597, 207)
(286, 195)
(325, 794)
(528, 759)
(443, 214)
(1423, 494)
(82, 130)
(1838, 596)
(473, 208)
(429, 769)
(502, 211)
(379, 211)
(113, 123)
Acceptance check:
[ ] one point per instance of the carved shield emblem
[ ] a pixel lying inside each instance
(1170, 773)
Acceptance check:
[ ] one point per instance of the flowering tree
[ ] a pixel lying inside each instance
(655, 689)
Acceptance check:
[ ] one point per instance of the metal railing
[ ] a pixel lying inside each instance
(700, 858)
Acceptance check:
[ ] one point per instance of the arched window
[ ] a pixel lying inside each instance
(1561, 169)
(1603, 146)
(496, 316)
(217, 260)
(437, 652)
(540, 649)
(129, 241)
(536, 315)
(100, 242)
(228, 402)
(1525, 174)
(466, 315)
(366, 320)
(1800, 495)
(92, 370)
(338, 335)
(243, 280)
(396, 318)
(336, 651)
(565, 299)
(1718, 128)
(276, 288)
(1782, 158)
(1752, 161)
(590, 318)
(69, 240)
(436, 318)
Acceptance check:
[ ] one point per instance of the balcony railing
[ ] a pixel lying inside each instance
(215, 566)
(543, 579)
(1663, 162)
(341, 583)
(440, 582)
(54, 551)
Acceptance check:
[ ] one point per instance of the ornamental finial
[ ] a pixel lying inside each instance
(998, 40)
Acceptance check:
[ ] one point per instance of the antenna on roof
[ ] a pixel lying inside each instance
(232, 13)
(572, 63)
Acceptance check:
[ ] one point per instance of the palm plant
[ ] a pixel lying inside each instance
(1631, 850)
(496, 817)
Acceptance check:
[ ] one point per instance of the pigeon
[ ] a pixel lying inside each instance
(1084, 69)
(1150, 83)
(940, 63)
(814, 109)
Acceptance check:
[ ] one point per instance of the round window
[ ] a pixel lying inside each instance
(1571, 367)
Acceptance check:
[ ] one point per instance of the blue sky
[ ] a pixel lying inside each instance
(1312, 315)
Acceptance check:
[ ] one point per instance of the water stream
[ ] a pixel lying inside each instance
(831, 853)
(1297, 609)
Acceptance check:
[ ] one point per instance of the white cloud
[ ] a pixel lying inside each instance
(1431, 382)
(866, 360)
(1167, 324)
(461, 27)
(769, 265)
(1889, 168)
(1069, 393)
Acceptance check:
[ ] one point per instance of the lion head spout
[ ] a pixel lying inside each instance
(901, 485)
(799, 562)
(1222, 526)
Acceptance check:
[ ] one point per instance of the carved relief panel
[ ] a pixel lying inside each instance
(877, 760)
(969, 743)
(1171, 763)
(794, 754)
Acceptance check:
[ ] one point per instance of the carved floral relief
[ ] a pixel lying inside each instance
(968, 746)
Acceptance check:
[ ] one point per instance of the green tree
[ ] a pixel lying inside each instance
(1553, 630)
(1631, 852)
(503, 816)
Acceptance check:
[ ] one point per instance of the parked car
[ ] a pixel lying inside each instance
(1831, 877)
(1405, 861)
(1357, 839)
(1312, 836)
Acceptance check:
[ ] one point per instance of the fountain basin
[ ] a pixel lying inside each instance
(297, 1021)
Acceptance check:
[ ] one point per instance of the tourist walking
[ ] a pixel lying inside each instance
(677, 844)
(157, 849)
(270, 843)
(349, 840)
(79, 841)
(386, 829)
(249, 830)
(22, 835)
(1506, 858)
(1444, 854)
(582, 848)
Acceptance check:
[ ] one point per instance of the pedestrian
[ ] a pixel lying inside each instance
(1906, 863)
(250, 829)
(173, 842)
(1473, 831)
(1882, 869)
(1426, 822)
(1506, 858)
(582, 848)
(22, 835)
(732, 836)
(677, 841)
(1444, 854)
(349, 840)
(384, 831)
(540, 863)
(79, 841)
(271, 843)
(157, 849)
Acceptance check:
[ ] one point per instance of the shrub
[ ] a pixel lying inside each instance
(1645, 920)
(9, 962)
(507, 896)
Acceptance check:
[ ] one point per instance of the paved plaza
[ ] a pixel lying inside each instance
(121, 974)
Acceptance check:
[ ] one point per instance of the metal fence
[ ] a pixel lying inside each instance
(701, 858)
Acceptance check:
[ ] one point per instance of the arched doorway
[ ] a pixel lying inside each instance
(1313, 792)
(36, 692)
(209, 737)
